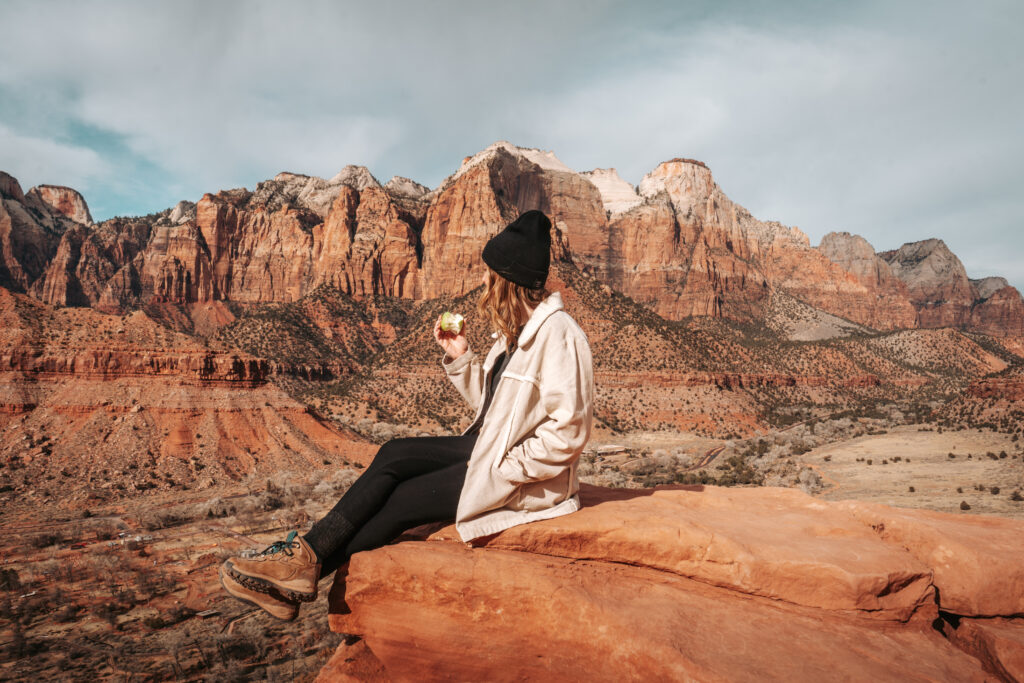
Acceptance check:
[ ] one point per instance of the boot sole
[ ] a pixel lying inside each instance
(263, 586)
(249, 600)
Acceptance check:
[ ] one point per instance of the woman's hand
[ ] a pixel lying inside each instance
(453, 344)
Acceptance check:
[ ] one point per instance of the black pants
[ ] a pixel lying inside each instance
(410, 482)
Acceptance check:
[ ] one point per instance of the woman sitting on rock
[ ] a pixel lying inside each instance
(516, 463)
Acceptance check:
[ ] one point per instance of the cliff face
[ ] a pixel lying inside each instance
(365, 247)
(29, 235)
(694, 583)
(936, 281)
(943, 295)
(487, 192)
(63, 200)
(675, 242)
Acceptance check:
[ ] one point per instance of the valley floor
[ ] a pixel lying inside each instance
(133, 576)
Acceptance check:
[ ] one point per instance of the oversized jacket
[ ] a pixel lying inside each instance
(523, 465)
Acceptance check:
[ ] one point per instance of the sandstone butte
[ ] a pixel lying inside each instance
(675, 242)
(692, 583)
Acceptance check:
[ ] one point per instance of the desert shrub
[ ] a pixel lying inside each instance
(9, 580)
(964, 505)
(994, 490)
(175, 616)
(1016, 495)
(47, 539)
(216, 508)
(163, 520)
(68, 613)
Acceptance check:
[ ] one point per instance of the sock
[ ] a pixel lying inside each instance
(330, 535)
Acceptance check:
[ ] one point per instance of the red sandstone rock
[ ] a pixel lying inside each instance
(489, 191)
(28, 240)
(679, 245)
(693, 583)
(121, 395)
(10, 188)
(997, 643)
(999, 388)
(88, 260)
(354, 663)
(364, 247)
(944, 296)
(977, 561)
(774, 542)
(1000, 313)
(433, 611)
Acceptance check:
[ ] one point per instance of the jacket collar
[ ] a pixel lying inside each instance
(545, 308)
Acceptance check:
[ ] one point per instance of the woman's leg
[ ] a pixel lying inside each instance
(396, 462)
(430, 497)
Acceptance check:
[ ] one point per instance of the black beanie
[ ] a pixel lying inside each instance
(521, 252)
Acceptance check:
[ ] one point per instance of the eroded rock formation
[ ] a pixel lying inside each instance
(694, 583)
(675, 243)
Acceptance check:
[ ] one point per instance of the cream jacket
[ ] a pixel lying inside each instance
(523, 466)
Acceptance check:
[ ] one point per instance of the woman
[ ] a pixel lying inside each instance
(516, 463)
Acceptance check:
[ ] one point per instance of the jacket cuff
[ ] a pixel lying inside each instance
(459, 363)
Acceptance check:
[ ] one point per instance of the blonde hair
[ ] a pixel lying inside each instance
(503, 302)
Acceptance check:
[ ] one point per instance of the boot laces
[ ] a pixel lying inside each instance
(284, 546)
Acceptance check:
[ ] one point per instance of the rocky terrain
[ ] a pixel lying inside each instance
(693, 583)
(97, 407)
(129, 590)
(180, 386)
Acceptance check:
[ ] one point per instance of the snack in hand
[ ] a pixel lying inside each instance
(451, 322)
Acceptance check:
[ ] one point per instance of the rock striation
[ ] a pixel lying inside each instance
(857, 257)
(117, 398)
(695, 583)
(675, 242)
(488, 191)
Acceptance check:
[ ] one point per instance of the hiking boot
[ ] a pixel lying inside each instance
(271, 603)
(289, 567)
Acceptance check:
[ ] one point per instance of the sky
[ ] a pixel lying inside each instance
(896, 120)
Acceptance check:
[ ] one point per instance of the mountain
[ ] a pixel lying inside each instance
(675, 243)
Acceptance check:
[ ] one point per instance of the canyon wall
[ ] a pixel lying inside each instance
(675, 243)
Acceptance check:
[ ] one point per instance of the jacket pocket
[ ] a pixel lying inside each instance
(506, 439)
(508, 429)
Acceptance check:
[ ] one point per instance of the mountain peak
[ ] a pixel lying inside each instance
(356, 177)
(405, 187)
(617, 195)
(10, 188)
(546, 159)
(64, 200)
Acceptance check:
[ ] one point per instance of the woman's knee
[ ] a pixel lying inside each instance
(392, 450)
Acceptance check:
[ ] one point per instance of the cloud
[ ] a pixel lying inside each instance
(46, 161)
(898, 121)
(890, 134)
